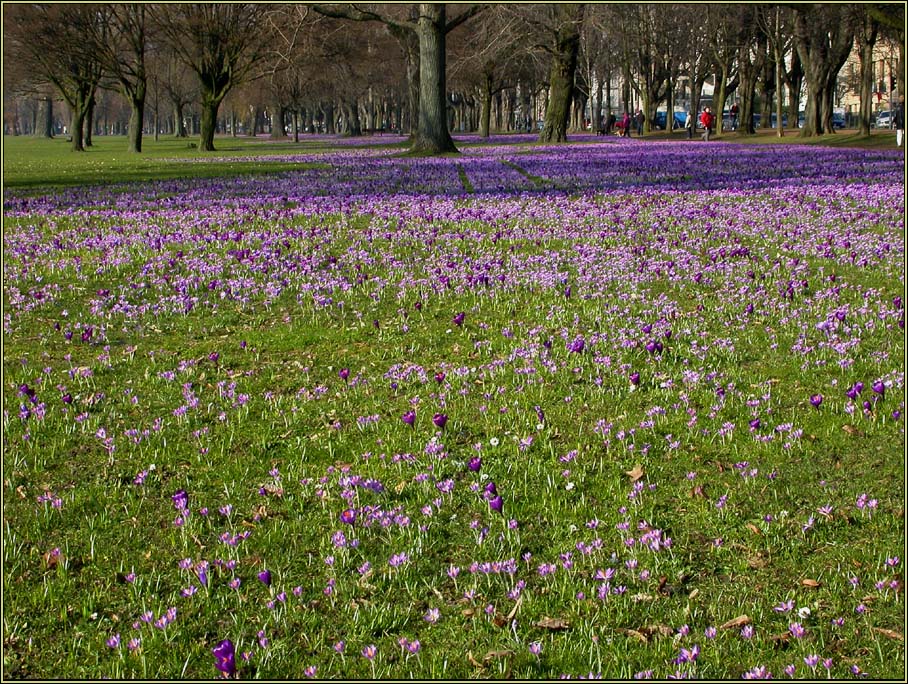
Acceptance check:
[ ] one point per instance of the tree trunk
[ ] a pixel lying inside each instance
(47, 127)
(209, 121)
(794, 80)
(328, 109)
(561, 75)
(485, 115)
(76, 123)
(89, 120)
(351, 114)
(866, 34)
(277, 121)
(432, 135)
(137, 119)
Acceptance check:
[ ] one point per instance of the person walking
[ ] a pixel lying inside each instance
(689, 125)
(898, 120)
(626, 125)
(734, 116)
(708, 120)
(639, 119)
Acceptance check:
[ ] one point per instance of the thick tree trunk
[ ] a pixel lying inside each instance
(137, 120)
(328, 110)
(76, 123)
(794, 79)
(209, 120)
(867, 34)
(46, 130)
(432, 135)
(179, 127)
(351, 114)
(561, 75)
(277, 121)
(89, 121)
(485, 115)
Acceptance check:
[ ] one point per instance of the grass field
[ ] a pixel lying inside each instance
(622, 408)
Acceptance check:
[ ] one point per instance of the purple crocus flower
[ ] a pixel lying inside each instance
(67, 398)
(439, 377)
(755, 424)
(816, 400)
(474, 464)
(409, 417)
(651, 347)
(635, 378)
(879, 388)
(265, 577)
(496, 504)
(214, 356)
(491, 489)
(344, 373)
(539, 414)
(225, 657)
(458, 319)
(348, 516)
(577, 345)
(440, 420)
(180, 500)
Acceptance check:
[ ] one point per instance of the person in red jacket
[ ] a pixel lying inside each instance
(708, 121)
(626, 125)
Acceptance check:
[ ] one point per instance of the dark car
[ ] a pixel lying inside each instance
(659, 122)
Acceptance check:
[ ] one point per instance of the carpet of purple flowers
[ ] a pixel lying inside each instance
(614, 408)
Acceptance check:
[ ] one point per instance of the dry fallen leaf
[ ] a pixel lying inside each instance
(468, 612)
(635, 473)
(554, 624)
(753, 528)
(491, 655)
(515, 608)
(473, 661)
(810, 583)
(852, 430)
(400, 486)
(638, 635)
(892, 634)
(739, 621)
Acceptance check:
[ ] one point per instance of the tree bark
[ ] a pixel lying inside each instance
(485, 115)
(89, 120)
(561, 75)
(76, 123)
(47, 128)
(137, 119)
(432, 135)
(209, 116)
(866, 35)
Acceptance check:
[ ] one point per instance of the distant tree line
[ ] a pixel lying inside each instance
(426, 69)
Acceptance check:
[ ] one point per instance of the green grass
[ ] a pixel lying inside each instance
(36, 163)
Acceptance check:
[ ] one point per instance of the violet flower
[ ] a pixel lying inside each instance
(225, 657)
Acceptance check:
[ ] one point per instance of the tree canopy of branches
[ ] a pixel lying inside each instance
(221, 43)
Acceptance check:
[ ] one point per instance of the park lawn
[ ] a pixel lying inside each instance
(659, 381)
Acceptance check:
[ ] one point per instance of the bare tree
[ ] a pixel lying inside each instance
(222, 43)
(824, 37)
(50, 42)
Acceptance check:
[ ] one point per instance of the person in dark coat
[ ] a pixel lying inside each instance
(639, 121)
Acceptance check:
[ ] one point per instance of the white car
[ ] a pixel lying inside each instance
(884, 120)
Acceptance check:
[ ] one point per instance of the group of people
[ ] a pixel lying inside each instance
(608, 125)
(707, 119)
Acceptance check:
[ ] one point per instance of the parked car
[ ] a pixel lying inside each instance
(884, 119)
(838, 120)
(679, 118)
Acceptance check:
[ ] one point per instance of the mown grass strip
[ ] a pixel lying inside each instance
(465, 180)
(538, 180)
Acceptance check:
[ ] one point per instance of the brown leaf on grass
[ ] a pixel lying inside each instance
(635, 473)
(499, 620)
(400, 486)
(20, 490)
(555, 624)
(698, 492)
(52, 559)
(753, 528)
(473, 661)
(637, 635)
(892, 634)
(734, 623)
(468, 612)
(810, 583)
(852, 430)
(492, 655)
(513, 611)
